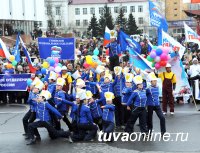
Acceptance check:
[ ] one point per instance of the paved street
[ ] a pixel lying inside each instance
(185, 120)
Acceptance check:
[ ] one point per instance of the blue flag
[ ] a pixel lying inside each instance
(137, 61)
(157, 20)
(16, 51)
(128, 43)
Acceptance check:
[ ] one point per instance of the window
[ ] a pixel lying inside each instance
(109, 9)
(140, 8)
(48, 10)
(132, 9)
(101, 10)
(92, 10)
(49, 23)
(175, 2)
(175, 9)
(124, 9)
(58, 23)
(179, 30)
(84, 10)
(77, 11)
(140, 20)
(175, 14)
(40, 23)
(116, 9)
(57, 10)
(174, 30)
(85, 22)
(77, 22)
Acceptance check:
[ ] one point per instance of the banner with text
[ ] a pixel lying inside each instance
(63, 48)
(14, 82)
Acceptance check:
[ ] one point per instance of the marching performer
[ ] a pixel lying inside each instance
(153, 104)
(120, 83)
(126, 93)
(108, 114)
(30, 116)
(62, 108)
(81, 115)
(138, 101)
(44, 119)
(95, 108)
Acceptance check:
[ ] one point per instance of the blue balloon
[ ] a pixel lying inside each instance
(48, 59)
(96, 51)
(158, 51)
(52, 62)
(43, 70)
(29, 81)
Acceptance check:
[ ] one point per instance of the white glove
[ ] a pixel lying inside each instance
(69, 92)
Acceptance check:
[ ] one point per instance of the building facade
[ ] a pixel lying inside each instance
(56, 15)
(20, 15)
(81, 11)
(175, 16)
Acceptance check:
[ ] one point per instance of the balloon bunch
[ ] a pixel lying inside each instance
(92, 61)
(12, 60)
(159, 56)
(51, 64)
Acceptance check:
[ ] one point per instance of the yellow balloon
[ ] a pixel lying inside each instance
(89, 59)
(45, 65)
(11, 58)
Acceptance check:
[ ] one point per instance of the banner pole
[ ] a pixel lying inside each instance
(194, 102)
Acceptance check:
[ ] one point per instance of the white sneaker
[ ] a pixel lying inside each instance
(172, 113)
(70, 139)
(164, 113)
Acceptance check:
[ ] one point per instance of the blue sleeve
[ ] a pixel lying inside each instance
(110, 107)
(83, 76)
(68, 102)
(53, 110)
(119, 49)
(130, 100)
(92, 83)
(89, 115)
(108, 45)
(62, 96)
(52, 89)
(32, 102)
(70, 97)
(115, 81)
(147, 91)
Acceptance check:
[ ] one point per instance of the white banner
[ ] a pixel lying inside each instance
(182, 84)
(168, 41)
(196, 96)
(190, 35)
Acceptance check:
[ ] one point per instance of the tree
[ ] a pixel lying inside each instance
(105, 20)
(93, 26)
(121, 20)
(131, 26)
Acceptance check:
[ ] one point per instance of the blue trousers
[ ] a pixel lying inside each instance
(137, 112)
(160, 115)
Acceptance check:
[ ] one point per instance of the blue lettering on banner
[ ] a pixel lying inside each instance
(13, 82)
(62, 48)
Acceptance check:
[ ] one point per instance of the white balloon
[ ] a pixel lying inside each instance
(157, 59)
(57, 69)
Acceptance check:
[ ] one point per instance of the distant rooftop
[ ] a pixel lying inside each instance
(77, 2)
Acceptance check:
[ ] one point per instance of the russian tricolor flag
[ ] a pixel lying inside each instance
(106, 36)
(3, 50)
(30, 64)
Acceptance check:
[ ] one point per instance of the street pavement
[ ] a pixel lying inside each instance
(186, 120)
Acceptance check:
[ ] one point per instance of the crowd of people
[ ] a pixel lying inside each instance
(110, 97)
